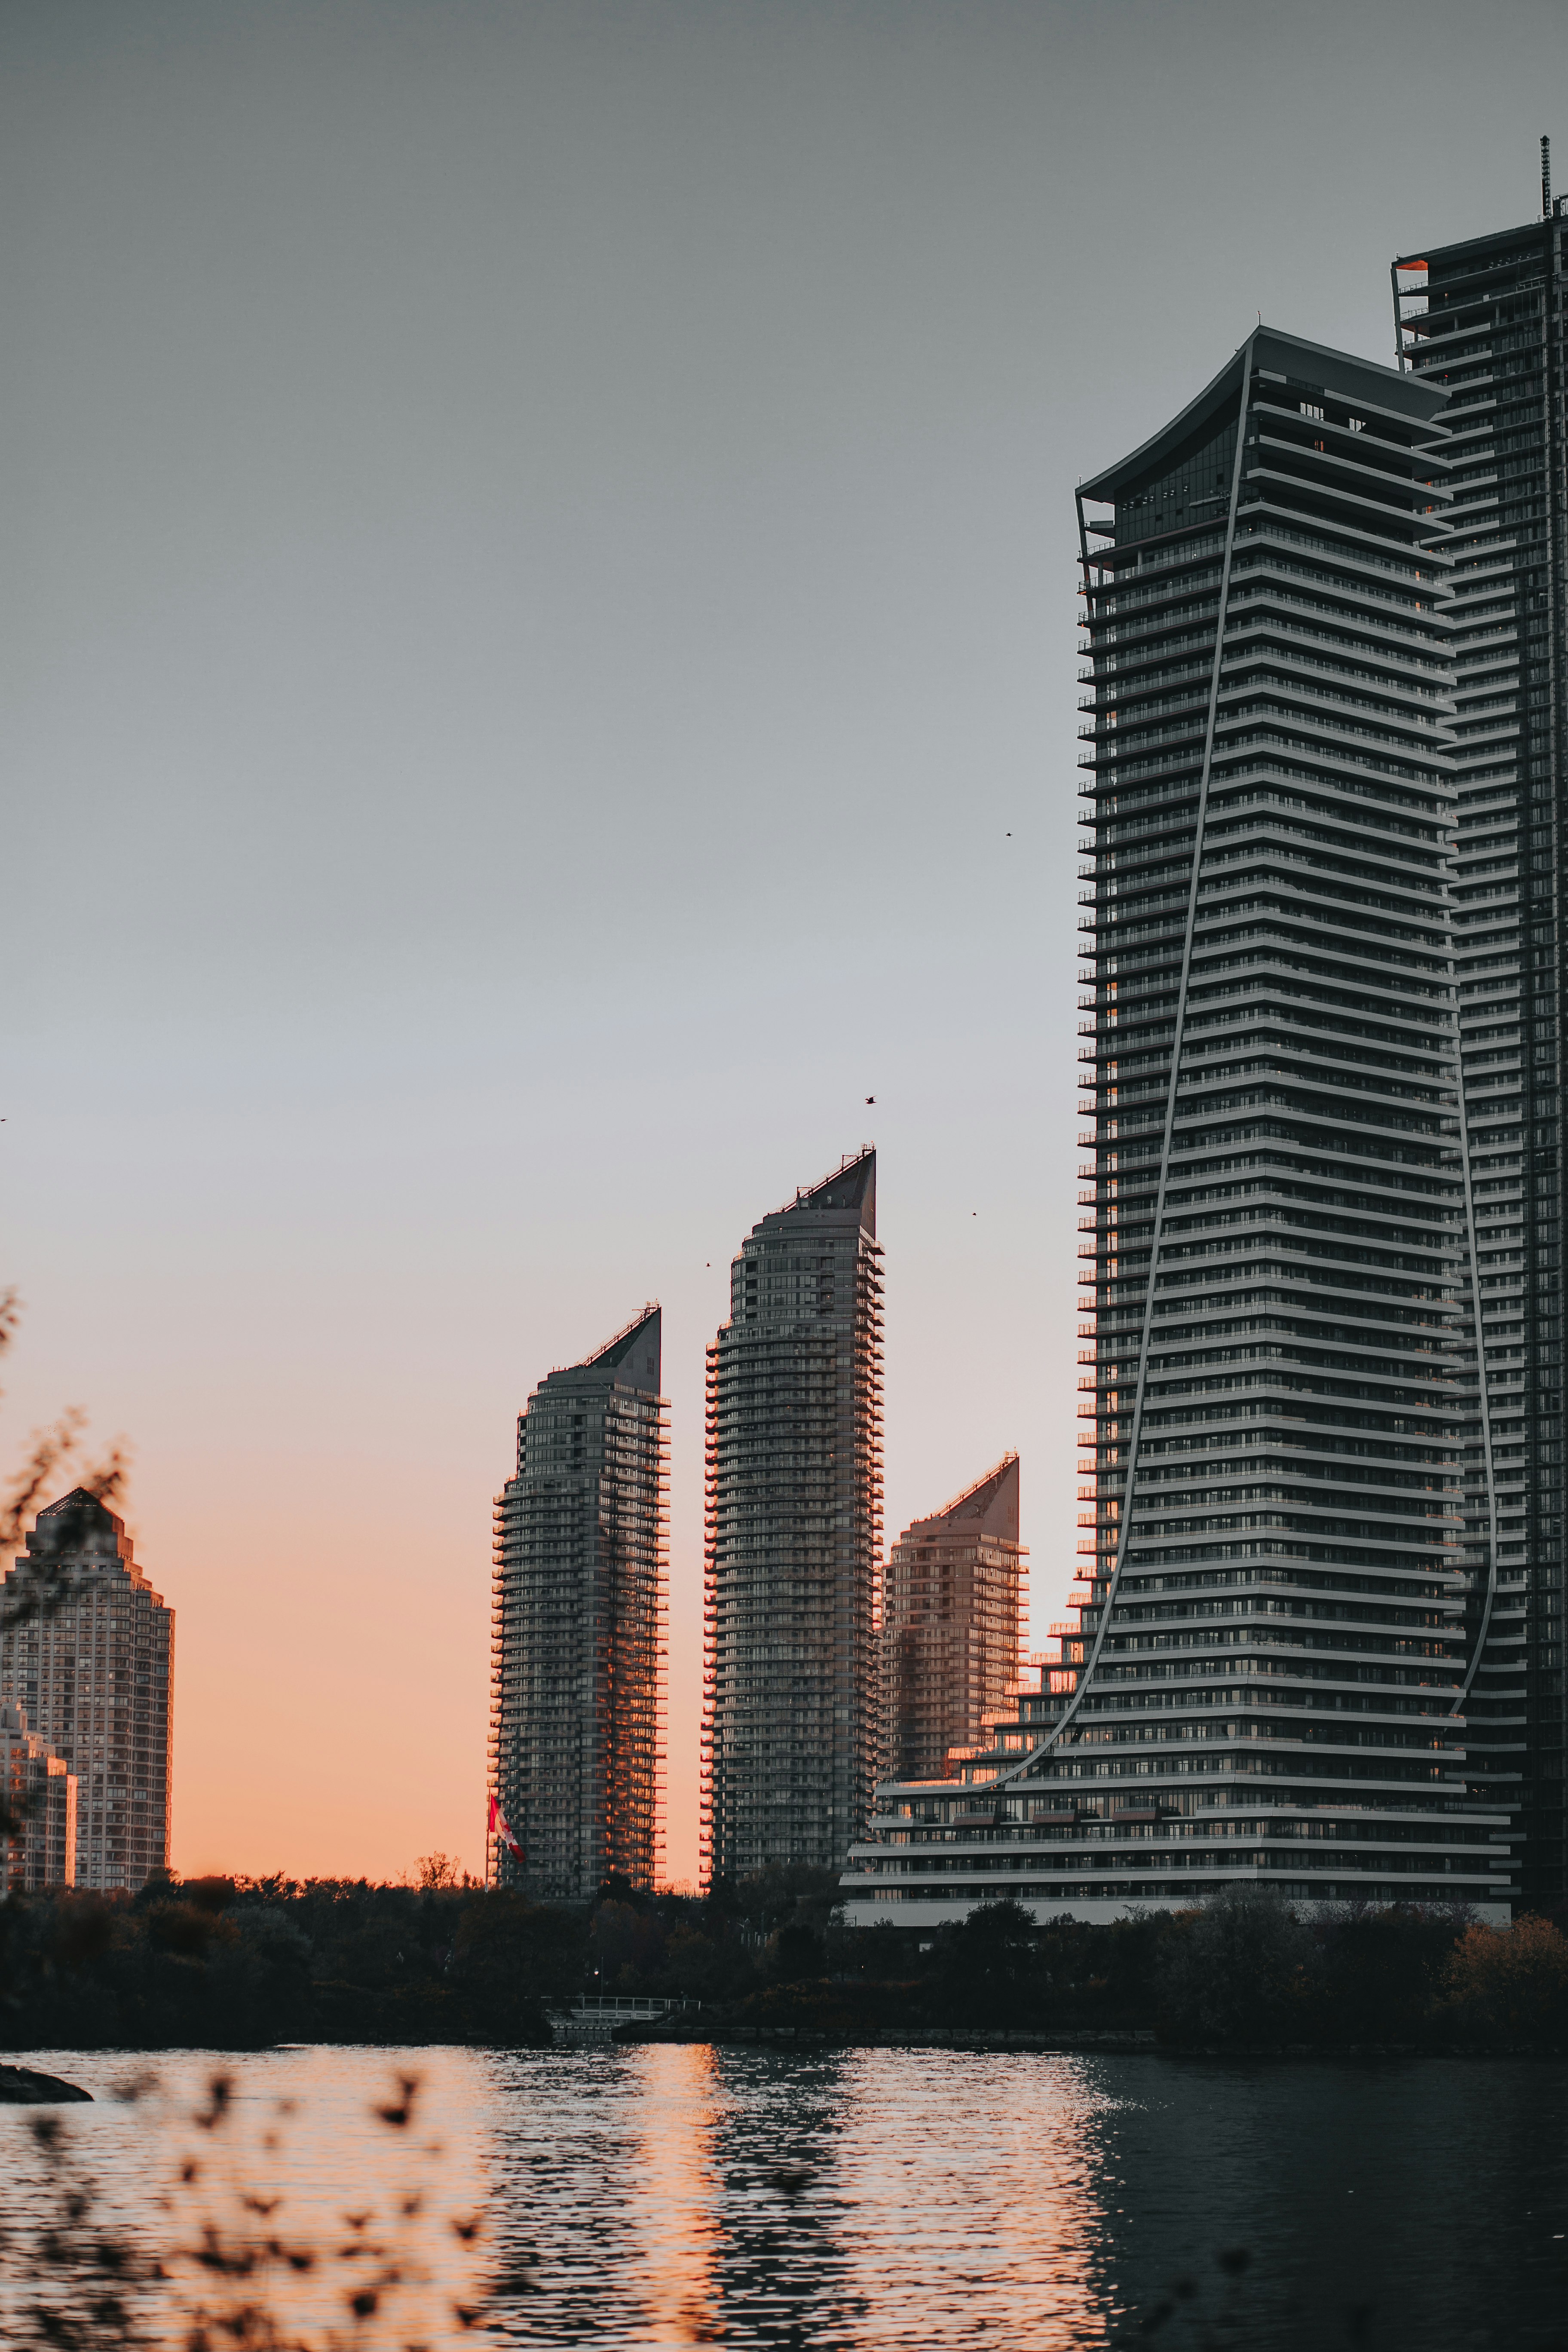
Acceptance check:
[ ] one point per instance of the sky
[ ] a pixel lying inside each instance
(537, 672)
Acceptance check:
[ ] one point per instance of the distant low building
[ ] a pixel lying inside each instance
(39, 1792)
(952, 1621)
(92, 1665)
(579, 1627)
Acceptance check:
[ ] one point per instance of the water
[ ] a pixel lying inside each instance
(858, 2199)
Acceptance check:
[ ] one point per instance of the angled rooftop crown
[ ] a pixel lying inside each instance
(1288, 357)
(80, 1498)
(849, 1193)
(988, 1508)
(75, 1517)
(635, 1353)
(638, 1341)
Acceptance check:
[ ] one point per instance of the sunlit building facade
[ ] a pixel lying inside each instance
(792, 1718)
(1484, 321)
(952, 1603)
(1276, 1631)
(40, 1792)
(579, 1627)
(88, 1652)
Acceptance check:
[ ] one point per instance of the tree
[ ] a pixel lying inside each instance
(795, 1952)
(987, 1969)
(438, 1870)
(1235, 1970)
(1508, 1984)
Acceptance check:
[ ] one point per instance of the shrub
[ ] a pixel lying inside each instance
(1508, 1984)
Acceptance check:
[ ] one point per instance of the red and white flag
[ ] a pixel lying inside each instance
(499, 1822)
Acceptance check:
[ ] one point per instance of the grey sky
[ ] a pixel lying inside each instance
(540, 586)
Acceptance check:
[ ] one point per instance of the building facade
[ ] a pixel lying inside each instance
(1484, 321)
(39, 1789)
(790, 1719)
(952, 1614)
(579, 1620)
(87, 1651)
(1276, 1633)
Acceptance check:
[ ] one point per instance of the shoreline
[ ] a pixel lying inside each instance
(1135, 2042)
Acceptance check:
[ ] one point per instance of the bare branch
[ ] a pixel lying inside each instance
(50, 1448)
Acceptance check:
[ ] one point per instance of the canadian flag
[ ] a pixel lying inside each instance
(499, 1822)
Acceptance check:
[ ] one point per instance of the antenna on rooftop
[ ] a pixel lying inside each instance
(1546, 179)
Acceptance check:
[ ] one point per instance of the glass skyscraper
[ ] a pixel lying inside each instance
(578, 1634)
(790, 1719)
(1276, 1622)
(1484, 321)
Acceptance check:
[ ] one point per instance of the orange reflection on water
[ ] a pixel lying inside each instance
(316, 2180)
(993, 2173)
(867, 2200)
(675, 2216)
(863, 2198)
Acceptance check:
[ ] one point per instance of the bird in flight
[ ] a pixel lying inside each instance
(870, 1097)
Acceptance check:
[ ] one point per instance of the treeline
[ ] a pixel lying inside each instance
(241, 1963)
(221, 1963)
(1245, 1970)
(225, 1964)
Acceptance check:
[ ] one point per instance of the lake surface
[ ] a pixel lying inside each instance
(666, 2196)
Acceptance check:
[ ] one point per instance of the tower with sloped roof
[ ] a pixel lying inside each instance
(578, 1635)
(952, 1617)
(792, 1718)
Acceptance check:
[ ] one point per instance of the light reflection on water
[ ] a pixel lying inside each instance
(890, 2198)
(873, 2197)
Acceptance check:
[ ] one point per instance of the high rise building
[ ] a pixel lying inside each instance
(952, 1621)
(88, 1652)
(1274, 1637)
(578, 1641)
(40, 1792)
(1484, 321)
(791, 1729)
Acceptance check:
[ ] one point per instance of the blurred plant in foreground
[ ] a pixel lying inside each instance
(51, 1450)
(234, 2272)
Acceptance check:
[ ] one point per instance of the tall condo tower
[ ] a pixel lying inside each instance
(951, 1620)
(1268, 1673)
(89, 1658)
(579, 1623)
(795, 1533)
(1485, 320)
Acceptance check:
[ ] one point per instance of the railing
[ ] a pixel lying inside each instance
(609, 2005)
